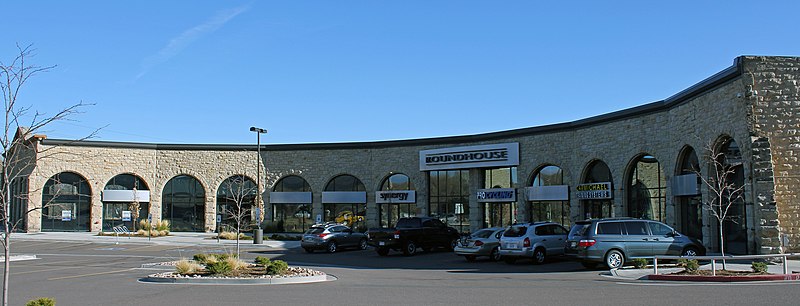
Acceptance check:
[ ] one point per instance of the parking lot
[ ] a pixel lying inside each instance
(103, 273)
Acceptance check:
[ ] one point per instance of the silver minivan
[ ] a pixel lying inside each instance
(537, 241)
(614, 241)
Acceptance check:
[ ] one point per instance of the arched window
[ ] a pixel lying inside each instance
(66, 203)
(349, 213)
(291, 204)
(646, 191)
(235, 198)
(183, 204)
(550, 210)
(734, 228)
(396, 199)
(598, 205)
(689, 200)
(123, 202)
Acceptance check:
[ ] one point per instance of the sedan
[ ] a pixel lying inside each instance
(485, 242)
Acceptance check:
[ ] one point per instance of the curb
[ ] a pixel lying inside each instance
(708, 278)
(236, 281)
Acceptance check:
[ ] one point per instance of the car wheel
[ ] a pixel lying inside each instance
(495, 254)
(470, 257)
(410, 248)
(332, 247)
(690, 251)
(362, 244)
(382, 251)
(615, 259)
(589, 264)
(538, 256)
(510, 260)
(309, 250)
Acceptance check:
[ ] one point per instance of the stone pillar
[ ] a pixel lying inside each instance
(475, 208)
(768, 226)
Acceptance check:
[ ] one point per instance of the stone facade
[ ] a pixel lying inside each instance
(725, 106)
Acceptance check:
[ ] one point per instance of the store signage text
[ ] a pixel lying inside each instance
(406, 196)
(497, 195)
(594, 191)
(496, 155)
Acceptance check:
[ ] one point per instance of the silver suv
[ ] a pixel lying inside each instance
(331, 237)
(615, 241)
(536, 240)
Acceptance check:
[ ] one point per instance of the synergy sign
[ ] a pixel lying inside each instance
(396, 196)
(594, 191)
(495, 155)
(497, 195)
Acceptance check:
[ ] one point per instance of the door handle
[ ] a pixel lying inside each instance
(645, 239)
(655, 239)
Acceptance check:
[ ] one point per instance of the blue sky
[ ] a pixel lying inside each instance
(340, 71)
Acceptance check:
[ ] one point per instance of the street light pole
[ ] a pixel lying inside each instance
(258, 235)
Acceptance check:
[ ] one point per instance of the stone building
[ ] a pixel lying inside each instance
(640, 162)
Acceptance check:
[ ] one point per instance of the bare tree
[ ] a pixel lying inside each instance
(19, 150)
(239, 192)
(723, 191)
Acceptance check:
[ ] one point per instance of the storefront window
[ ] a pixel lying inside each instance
(499, 214)
(552, 211)
(690, 218)
(292, 217)
(449, 197)
(183, 204)
(350, 214)
(112, 211)
(647, 190)
(235, 198)
(734, 228)
(390, 212)
(598, 172)
(66, 203)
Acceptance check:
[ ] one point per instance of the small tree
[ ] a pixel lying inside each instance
(134, 207)
(19, 150)
(239, 192)
(723, 191)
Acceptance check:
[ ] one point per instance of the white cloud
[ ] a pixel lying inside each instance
(177, 44)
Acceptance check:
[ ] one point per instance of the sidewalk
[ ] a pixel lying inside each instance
(641, 274)
(178, 238)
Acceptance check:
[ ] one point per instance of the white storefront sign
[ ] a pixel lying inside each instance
(142, 196)
(497, 195)
(396, 196)
(548, 193)
(126, 215)
(595, 191)
(344, 197)
(483, 156)
(66, 215)
(302, 197)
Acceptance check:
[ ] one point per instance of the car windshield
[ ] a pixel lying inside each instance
(579, 229)
(516, 231)
(315, 230)
(484, 233)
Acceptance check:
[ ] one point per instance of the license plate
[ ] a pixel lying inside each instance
(512, 245)
(573, 244)
(381, 243)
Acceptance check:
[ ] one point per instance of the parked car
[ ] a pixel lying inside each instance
(537, 241)
(484, 242)
(331, 237)
(412, 233)
(616, 241)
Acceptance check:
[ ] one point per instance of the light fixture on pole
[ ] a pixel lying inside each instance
(257, 239)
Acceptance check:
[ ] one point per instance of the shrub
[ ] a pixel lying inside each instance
(640, 263)
(187, 267)
(691, 265)
(231, 235)
(277, 267)
(219, 268)
(204, 259)
(237, 265)
(264, 261)
(41, 302)
(163, 226)
(759, 267)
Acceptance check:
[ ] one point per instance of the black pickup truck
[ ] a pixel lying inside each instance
(412, 233)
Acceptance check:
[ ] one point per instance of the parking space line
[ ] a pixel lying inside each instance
(89, 274)
(45, 270)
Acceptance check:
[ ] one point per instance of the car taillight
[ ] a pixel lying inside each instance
(478, 243)
(322, 235)
(526, 243)
(586, 243)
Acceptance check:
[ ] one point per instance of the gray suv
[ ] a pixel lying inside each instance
(615, 241)
(331, 237)
(536, 240)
